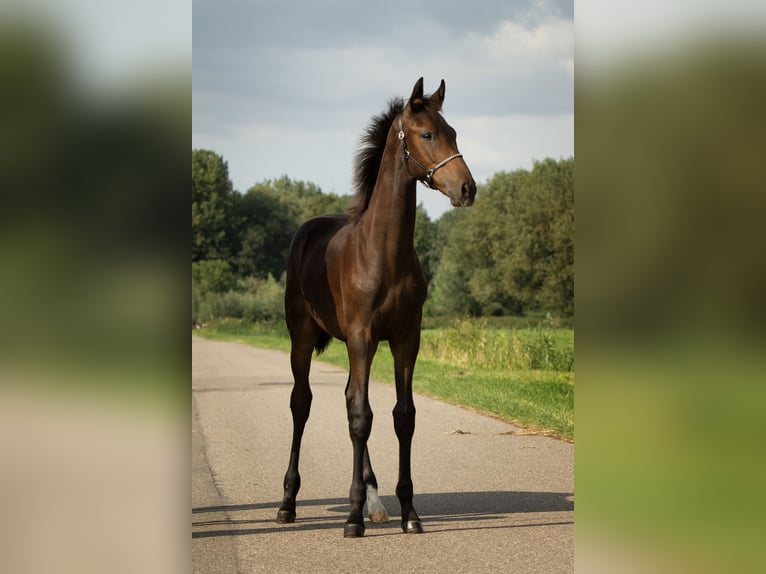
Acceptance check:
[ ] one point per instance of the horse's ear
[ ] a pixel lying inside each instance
(416, 99)
(438, 96)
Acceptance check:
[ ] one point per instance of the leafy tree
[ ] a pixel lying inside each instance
(270, 212)
(513, 250)
(213, 201)
(539, 240)
(213, 276)
(442, 229)
(303, 199)
(425, 239)
(449, 293)
(264, 235)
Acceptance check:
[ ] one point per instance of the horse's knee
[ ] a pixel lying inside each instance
(300, 402)
(360, 422)
(404, 421)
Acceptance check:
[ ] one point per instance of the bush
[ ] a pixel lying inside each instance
(213, 276)
(253, 300)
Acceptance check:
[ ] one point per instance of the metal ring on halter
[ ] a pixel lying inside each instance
(427, 179)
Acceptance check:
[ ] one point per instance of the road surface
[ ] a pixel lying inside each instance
(490, 501)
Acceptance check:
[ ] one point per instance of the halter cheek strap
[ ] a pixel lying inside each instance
(428, 178)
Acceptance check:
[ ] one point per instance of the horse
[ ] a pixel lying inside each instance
(356, 277)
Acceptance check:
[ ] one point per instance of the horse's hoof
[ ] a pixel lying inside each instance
(285, 517)
(352, 530)
(412, 527)
(379, 517)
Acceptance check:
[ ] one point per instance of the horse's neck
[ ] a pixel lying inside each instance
(390, 218)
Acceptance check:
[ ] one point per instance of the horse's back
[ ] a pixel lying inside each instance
(313, 235)
(316, 231)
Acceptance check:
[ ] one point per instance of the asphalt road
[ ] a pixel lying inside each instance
(490, 500)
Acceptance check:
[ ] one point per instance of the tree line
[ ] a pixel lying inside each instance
(509, 254)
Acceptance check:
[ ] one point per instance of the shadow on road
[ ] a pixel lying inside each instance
(442, 511)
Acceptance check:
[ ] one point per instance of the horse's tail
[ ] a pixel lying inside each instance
(322, 342)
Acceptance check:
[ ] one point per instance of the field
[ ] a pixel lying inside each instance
(524, 375)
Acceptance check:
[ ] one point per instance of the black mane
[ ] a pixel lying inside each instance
(367, 159)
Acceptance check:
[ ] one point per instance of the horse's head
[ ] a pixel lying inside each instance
(429, 147)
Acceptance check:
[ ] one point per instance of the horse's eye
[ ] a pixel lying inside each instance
(427, 136)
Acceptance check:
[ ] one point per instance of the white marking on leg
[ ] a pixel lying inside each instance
(376, 512)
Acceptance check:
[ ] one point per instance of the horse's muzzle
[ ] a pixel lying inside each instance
(466, 196)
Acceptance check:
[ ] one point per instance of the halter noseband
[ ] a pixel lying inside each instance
(427, 179)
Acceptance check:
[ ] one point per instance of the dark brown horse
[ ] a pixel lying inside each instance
(356, 277)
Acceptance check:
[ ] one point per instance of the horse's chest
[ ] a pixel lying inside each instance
(406, 296)
(381, 295)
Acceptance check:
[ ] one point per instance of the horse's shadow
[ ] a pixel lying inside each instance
(450, 511)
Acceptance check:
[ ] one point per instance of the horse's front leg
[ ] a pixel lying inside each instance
(361, 349)
(405, 352)
(376, 512)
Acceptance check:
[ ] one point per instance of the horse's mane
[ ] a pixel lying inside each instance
(367, 159)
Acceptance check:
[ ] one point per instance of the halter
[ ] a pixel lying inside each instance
(427, 179)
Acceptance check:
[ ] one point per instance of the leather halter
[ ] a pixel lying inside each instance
(426, 179)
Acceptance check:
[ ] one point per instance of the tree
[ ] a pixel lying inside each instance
(539, 241)
(425, 238)
(514, 250)
(212, 276)
(213, 201)
(449, 293)
(303, 199)
(266, 229)
(267, 217)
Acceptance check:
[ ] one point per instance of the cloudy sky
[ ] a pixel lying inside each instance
(287, 86)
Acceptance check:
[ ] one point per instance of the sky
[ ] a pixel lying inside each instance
(287, 87)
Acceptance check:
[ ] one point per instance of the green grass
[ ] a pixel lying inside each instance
(474, 343)
(522, 375)
(265, 335)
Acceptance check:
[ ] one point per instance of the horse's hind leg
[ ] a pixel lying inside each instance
(300, 406)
